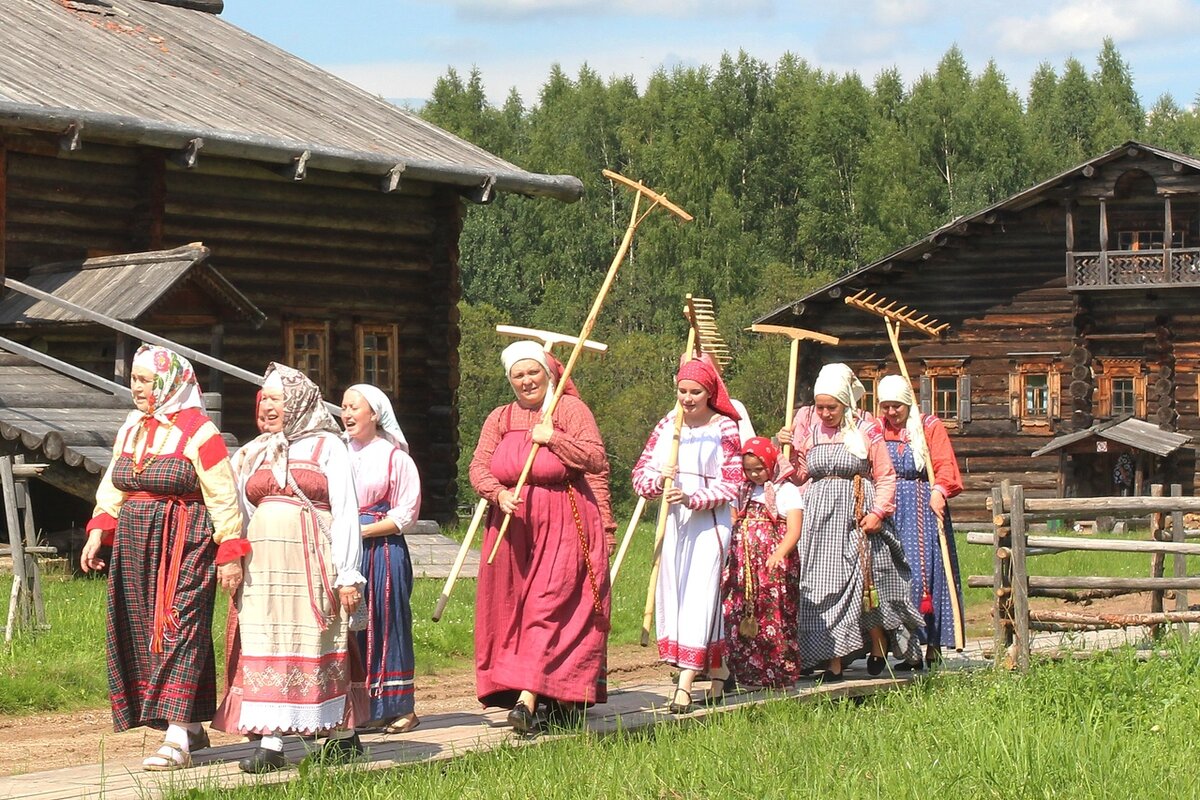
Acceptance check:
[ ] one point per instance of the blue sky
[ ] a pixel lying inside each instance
(398, 48)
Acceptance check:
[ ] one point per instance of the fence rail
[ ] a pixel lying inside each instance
(1013, 586)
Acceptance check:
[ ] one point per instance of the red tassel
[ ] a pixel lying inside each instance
(926, 602)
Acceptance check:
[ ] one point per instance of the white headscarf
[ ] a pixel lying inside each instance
(895, 389)
(839, 382)
(385, 420)
(532, 351)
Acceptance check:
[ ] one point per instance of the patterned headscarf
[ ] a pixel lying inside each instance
(895, 389)
(385, 420)
(839, 382)
(304, 415)
(702, 371)
(175, 387)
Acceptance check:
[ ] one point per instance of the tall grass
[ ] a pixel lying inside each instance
(1113, 727)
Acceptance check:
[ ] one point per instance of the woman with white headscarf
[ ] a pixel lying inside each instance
(854, 582)
(389, 500)
(541, 610)
(168, 505)
(914, 439)
(292, 670)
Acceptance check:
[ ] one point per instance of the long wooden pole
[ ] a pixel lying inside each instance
(625, 540)
(460, 559)
(893, 330)
(664, 508)
(590, 322)
(794, 357)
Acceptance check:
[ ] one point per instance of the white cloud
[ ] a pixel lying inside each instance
(1082, 24)
(901, 12)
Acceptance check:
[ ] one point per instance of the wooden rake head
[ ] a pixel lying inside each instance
(642, 189)
(897, 316)
(703, 319)
(795, 334)
(548, 339)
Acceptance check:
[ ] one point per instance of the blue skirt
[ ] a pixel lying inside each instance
(387, 642)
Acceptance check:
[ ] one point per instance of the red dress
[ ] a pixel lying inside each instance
(541, 614)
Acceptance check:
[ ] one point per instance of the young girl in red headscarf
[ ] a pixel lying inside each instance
(707, 474)
(762, 573)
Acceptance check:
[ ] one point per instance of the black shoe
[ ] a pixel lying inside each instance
(198, 741)
(829, 676)
(680, 708)
(875, 664)
(523, 720)
(908, 666)
(263, 760)
(347, 748)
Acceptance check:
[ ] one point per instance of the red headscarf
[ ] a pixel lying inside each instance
(765, 451)
(556, 371)
(702, 372)
(762, 449)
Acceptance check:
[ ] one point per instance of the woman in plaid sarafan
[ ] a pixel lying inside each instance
(854, 580)
(167, 504)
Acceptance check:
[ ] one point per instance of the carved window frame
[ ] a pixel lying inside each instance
(868, 376)
(939, 372)
(312, 356)
(1019, 380)
(1108, 370)
(367, 372)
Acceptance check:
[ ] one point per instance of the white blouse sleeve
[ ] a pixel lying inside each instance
(345, 534)
(788, 498)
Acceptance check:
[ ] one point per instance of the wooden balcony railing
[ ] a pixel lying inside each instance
(1142, 269)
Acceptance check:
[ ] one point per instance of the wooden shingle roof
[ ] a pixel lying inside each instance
(124, 287)
(156, 75)
(1128, 431)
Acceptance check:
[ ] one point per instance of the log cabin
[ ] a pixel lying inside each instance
(129, 126)
(1070, 305)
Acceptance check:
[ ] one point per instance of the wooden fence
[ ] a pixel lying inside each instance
(1013, 586)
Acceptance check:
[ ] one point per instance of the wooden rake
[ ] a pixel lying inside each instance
(797, 335)
(894, 318)
(698, 310)
(636, 218)
(548, 339)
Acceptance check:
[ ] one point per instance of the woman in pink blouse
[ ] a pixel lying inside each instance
(389, 500)
(541, 613)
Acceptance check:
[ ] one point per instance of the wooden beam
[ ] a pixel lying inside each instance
(3, 207)
(189, 155)
(71, 139)
(391, 181)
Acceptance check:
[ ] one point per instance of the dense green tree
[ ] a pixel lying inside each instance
(1119, 113)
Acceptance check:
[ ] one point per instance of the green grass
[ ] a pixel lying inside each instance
(1109, 727)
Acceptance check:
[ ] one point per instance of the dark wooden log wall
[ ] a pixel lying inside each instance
(331, 247)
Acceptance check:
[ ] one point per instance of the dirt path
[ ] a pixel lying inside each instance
(53, 741)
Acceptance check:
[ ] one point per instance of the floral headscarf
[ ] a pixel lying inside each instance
(779, 470)
(304, 414)
(175, 387)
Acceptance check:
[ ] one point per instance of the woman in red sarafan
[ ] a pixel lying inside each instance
(541, 613)
(167, 504)
(762, 573)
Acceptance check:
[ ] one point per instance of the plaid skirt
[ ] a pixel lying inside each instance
(178, 684)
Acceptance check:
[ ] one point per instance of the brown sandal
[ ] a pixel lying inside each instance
(402, 724)
(175, 758)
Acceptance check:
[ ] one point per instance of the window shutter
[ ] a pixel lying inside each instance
(1014, 395)
(1054, 386)
(926, 392)
(964, 398)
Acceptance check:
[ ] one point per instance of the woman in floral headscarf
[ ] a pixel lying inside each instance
(168, 506)
(301, 555)
(707, 476)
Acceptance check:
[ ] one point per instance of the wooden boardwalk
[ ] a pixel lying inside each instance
(433, 552)
(440, 736)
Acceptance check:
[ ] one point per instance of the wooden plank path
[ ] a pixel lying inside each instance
(432, 552)
(439, 737)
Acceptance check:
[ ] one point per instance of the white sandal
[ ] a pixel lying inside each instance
(169, 758)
